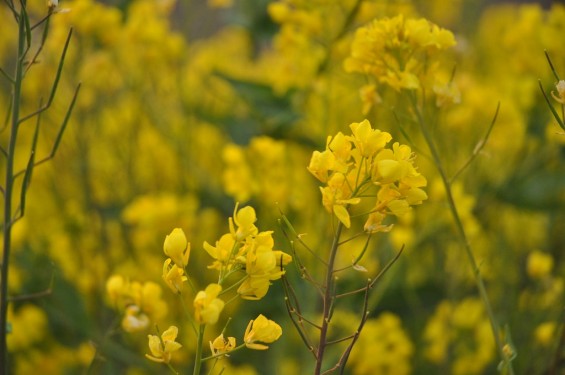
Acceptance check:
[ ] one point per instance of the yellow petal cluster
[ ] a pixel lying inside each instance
(140, 303)
(398, 52)
(262, 265)
(173, 276)
(261, 330)
(162, 347)
(354, 163)
(222, 345)
(207, 307)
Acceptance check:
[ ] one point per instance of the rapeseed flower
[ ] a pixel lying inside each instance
(177, 247)
(162, 347)
(207, 307)
(261, 330)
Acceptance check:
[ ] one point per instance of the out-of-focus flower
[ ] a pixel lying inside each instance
(162, 347)
(207, 307)
(539, 264)
(134, 319)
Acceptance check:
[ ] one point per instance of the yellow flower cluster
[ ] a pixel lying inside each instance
(250, 250)
(141, 303)
(390, 354)
(395, 51)
(463, 328)
(352, 166)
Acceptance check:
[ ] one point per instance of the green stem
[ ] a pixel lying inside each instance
(327, 301)
(8, 191)
(462, 235)
(198, 356)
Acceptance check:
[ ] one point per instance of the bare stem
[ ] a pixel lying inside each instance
(327, 300)
(8, 193)
(462, 234)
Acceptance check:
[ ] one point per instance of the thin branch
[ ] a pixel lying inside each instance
(478, 148)
(7, 76)
(364, 317)
(15, 13)
(358, 259)
(292, 312)
(42, 43)
(8, 114)
(55, 82)
(40, 294)
(553, 111)
(60, 133)
(299, 238)
(551, 65)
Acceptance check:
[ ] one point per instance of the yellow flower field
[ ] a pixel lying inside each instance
(282, 187)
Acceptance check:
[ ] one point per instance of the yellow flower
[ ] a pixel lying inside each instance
(162, 347)
(321, 163)
(115, 287)
(336, 195)
(544, 334)
(134, 319)
(221, 252)
(261, 330)
(177, 247)
(367, 140)
(539, 264)
(262, 264)
(207, 307)
(244, 219)
(221, 345)
(173, 276)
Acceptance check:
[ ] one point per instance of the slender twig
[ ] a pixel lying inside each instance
(292, 311)
(551, 108)
(7, 76)
(42, 43)
(35, 295)
(55, 82)
(299, 238)
(198, 354)
(364, 317)
(327, 300)
(8, 194)
(59, 134)
(358, 259)
(551, 65)
(461, 232)
(478, 148)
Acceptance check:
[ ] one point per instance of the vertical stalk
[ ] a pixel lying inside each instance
(8, 192)
(463, 236)
(327, 302)
(198, 356)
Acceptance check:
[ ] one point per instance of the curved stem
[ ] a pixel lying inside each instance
(462, 234)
